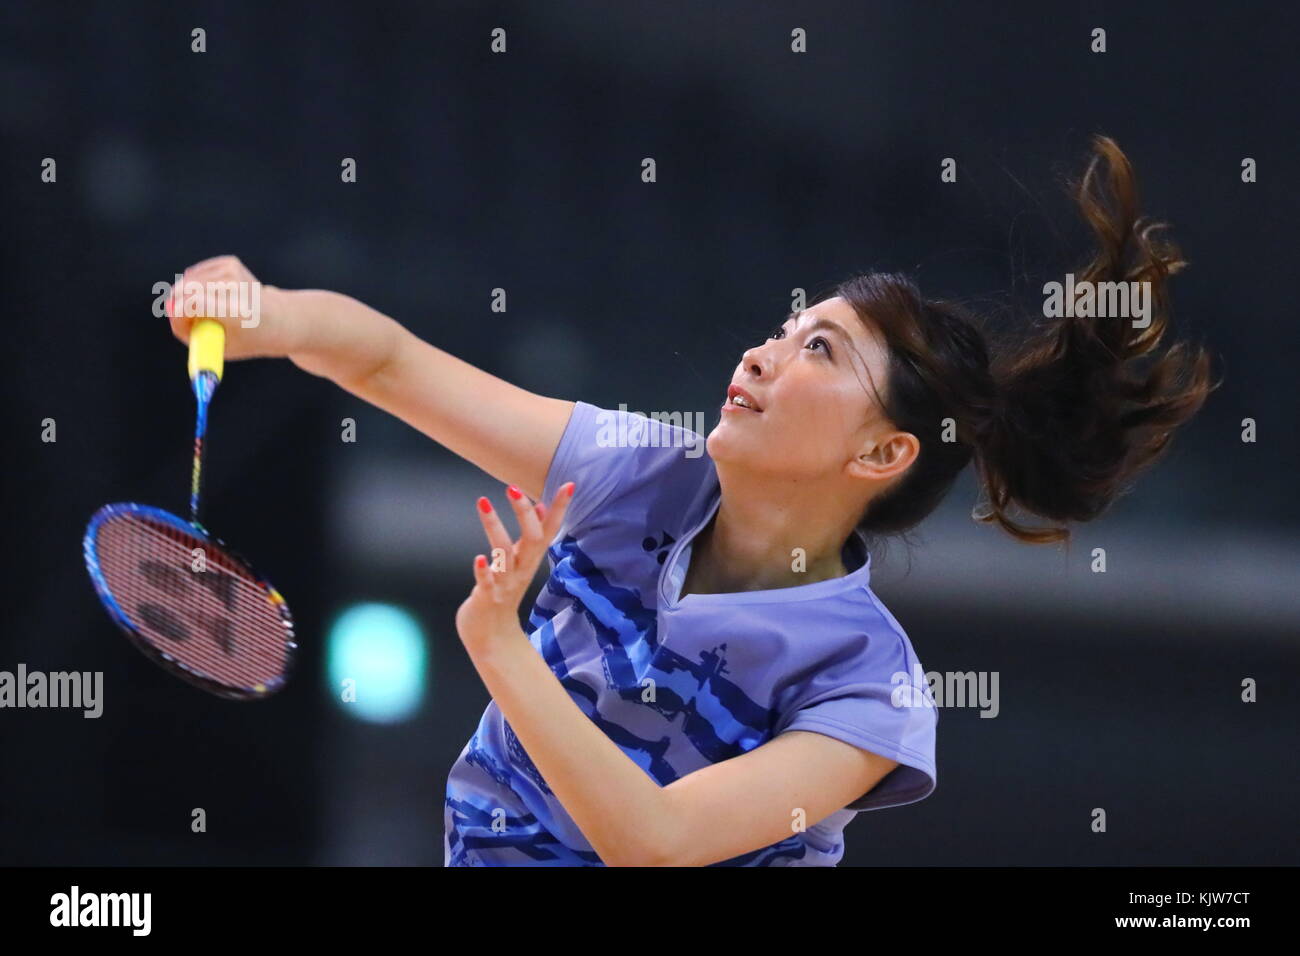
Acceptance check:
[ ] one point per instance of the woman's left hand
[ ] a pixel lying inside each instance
(491, 612)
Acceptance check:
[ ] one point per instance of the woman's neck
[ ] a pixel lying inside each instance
(760, 544)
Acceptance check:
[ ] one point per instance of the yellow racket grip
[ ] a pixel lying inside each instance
(207, 347)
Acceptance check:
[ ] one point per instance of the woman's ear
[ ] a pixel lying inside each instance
(886, 457)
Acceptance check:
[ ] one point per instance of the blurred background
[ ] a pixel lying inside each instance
(521, 171)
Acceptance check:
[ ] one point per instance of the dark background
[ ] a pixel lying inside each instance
(522, 171)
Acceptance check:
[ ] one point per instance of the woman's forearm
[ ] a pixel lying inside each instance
(336, 336)
(507, 431)
(616, 804)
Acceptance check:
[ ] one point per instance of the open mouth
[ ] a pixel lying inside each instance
(740, 400)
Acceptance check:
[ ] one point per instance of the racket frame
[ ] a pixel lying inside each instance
(148, 648)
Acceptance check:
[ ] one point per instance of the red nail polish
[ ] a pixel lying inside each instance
(485, 506)
(480, 562)
(572, 486)
(514, 493)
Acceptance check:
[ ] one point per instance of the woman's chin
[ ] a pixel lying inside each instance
(724, 445)
(717, 444)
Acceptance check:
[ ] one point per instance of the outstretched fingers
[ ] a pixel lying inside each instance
(553, 517)
(485, 578)
(538, 525)
(497, 536)
(530, 525)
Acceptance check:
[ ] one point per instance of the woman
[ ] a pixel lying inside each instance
(707, 676)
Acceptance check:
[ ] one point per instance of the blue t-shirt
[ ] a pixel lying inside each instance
(682, 683)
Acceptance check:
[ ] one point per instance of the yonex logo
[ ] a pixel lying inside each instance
(175, 585)
(649, 544)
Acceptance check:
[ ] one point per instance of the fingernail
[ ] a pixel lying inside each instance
(514, 493)
(485, 506)
(480, 561)
(571, 487)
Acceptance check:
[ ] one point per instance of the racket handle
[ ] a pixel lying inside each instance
(207, 348)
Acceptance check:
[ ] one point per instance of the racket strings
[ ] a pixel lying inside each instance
(221, 622)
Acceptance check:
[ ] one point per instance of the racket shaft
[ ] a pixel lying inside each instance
(204, 385)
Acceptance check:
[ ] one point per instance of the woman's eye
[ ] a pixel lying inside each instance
(778, 333)
(825, 345)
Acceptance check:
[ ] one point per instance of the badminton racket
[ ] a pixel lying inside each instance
(183, 597)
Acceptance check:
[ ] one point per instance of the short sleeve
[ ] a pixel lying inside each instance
(880, 710)
(607, 451)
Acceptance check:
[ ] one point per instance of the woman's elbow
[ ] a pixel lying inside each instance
(639, 854)
(649, 860)
(649, 846)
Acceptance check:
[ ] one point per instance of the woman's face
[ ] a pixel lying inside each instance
(813, 409)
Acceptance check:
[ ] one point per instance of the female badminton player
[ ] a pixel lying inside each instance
(707, 676)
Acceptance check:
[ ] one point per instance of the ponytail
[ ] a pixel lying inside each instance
(1061, 423)
(1077, 420)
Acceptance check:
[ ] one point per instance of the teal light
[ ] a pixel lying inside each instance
(376, 655)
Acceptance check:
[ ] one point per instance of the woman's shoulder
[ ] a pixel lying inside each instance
(613, 454)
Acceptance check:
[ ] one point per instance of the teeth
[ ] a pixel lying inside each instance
(740, 400)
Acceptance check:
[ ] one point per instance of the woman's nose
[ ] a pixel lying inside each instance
(754, 362)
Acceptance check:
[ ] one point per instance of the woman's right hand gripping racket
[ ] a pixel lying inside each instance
(183, 597)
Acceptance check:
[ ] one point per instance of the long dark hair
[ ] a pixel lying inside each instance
(1059, 423)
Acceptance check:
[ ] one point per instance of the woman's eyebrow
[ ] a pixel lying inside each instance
(826, 325)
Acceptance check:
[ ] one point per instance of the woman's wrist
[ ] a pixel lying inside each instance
(334, 335)
(499, 652)
(290, 310)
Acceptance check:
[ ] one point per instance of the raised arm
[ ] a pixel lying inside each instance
(507, 431)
